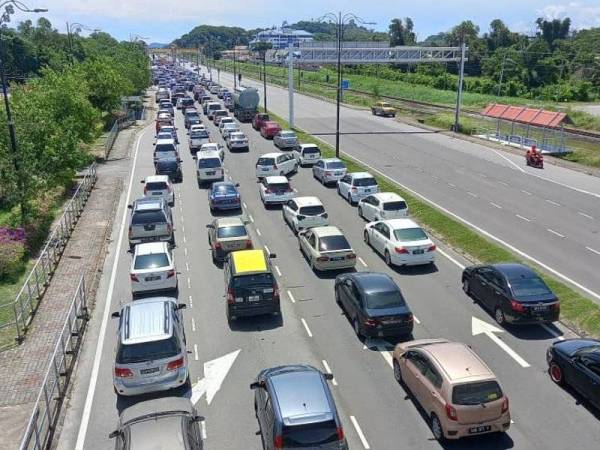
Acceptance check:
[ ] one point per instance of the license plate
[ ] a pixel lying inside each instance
(539, 308)
(480, 429)
(156, 193)
(253, 298)
(265, 169)
(390, 321)
(367, 190)
(336, 258)
(418, 252)
(149, 371)
(210, 173)
(339, 173)
(152, 278)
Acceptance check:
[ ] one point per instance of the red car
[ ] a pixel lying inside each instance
(259, 119)
(269, 129)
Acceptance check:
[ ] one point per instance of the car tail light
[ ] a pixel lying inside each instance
(505, 404)
(268, 191)
(323, 258)
(354, 189)
(410, 318)
(123, 373)
(130, 232)
(328, 174)
(555, 306)
(401, 250)
(230, 296)
(371, 322)
(171, 273)
(249, 243)
(174, 365)
(517, 306)
(432, 248)
(451, 412)
(218, 246)
(289, 189)
(169, 228)
(275, 292)
(133, 277)
(278, 442)
(324, 215)
(340, 433)
(274, 166)
(145, 190)
(351, 256)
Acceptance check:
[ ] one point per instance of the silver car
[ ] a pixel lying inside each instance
(151, 354)
(151, 220)
(329, 170)
(285, 139)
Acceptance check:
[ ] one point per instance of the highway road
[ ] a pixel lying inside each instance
(375, 410)
(552, 215)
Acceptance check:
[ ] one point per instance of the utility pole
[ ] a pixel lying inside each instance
(265, 78)
(339, 85)
(291, 84)
(460, 86)
(234, 71)
(501, 75)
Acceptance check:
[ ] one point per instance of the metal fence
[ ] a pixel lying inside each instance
(111, 138)
(46, 410)
(545, 145)
(18, 313)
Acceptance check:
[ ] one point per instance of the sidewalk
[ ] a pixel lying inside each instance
(22, 369)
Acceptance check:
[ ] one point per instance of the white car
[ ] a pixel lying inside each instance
(271, 164)
(401, 242)
(198, 127)
(152, 268)
(305, 212)
(229, 128)
(237, 141)
(383, 205)
(212, 147)
(356, 185)
(214, 89)
(275, 190)
(209, 167)
(225, 120)
(326, 248)
(159, 186)
(329, 170)
(307, 154)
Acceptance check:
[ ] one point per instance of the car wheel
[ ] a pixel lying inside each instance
(255, 409)
(499, 316)
(356, 327)
(366, 237)
(388, 259)
(360, 212)
(294, 229)
(349, 198)
(556, 373)
(312, 265)
(436, 428)
(337, 298)
(466, 287)
(397, 372)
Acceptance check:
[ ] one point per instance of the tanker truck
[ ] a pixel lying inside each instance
(245, 103)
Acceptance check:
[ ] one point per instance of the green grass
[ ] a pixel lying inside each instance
(577, 311)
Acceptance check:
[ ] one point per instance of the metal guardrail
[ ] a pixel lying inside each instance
(111, 138)
(46, 410)
(30, 295)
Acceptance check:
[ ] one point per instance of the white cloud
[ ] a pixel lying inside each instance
(582, 15)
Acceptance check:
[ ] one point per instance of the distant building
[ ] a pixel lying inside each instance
(282, 37)
(242, 53)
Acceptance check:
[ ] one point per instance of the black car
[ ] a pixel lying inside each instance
(576, 362)
(169, 166)
(514, 293)
(374, 304)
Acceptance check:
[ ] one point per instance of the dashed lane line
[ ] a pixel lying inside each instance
(196, 352)
(185, 251)
(362, 261)
(267, 249)
(593, 251)
(251, 218)
(306, 327)
(292, 299)
(258, 232)
(328, 370)
(187, 267)
(587, 216)
(552, 202)
(277, 270)
(556, 233)
(193, 324)
(523, 218)
(472, 194)
(495, 205)
(526, 192)
(191, 301)
(203, 429)
(360, 433)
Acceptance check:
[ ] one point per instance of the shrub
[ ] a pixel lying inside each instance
(12, 251)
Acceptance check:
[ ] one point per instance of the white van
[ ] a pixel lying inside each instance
(209, 167)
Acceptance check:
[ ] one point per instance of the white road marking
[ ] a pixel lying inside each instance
(508, 160)
(277, 270)
(182, 226)
(267, 249)
(434, 177)
(362, 262)
(503, 183)
(472, 194)
(258, 232)
(306, 328)
(87, 408)
(480, 327)
(552, 332)
(182, 221)
(526, 192)
(203, 429)
(251, 218)
(587, 216)
(328, 370)
(191, 301)
(215, 372)
(462, 266)
(556, 233)
(244, 203)
(184, 239)
(187, 267)
(523, 218)
(360, 433)
(185, 251)
(451, 185)
(193, 324)
(417, 321)
(593, 251)
(483, 175)
(495, 205)
(292, 299)
(189, 283)
(552, 202)
(196, 352)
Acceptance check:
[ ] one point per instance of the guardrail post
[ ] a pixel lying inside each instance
(19, 337)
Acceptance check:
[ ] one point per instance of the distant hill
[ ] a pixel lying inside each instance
(157, 45)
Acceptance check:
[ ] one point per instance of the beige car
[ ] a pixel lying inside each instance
(383, 109)
(326, 248)
(227, 234)
(456, 389)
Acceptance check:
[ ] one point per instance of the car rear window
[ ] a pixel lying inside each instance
(215, 107)
(410, 234)
(199, 134)
(232, 231)
(147, 351)
(266, 161)
(336, 165)
(252, 281)
(224, 189)
(277, 187)
(311, 151)
(209, 163)
(157, 186)
(164, 148)
(328, 243)
(476, 393)
(385, 299)
(166, 164)
(147, 217)
(151, 261)
(527, 287)
(312, 210)
(365, 182)
(237, 136)
(394, 206)
(311, 434)
(220, 113)
(288, 134)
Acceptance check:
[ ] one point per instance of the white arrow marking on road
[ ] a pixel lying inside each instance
(215, 372)
(480, 327)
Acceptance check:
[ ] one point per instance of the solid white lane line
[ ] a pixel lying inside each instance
(472, 194)
(495, 205)
(508, 160)
(292, 299)
(306, 328)
(587, 216)
(258, 232)
(553, 202)
(251, 218)
(556, 233)
(203, 429)
(185, 251)
(191, 301)
(328, 370)
(442, 252)
(360, 433)
(267, 249)
(87, 408)
(593, 251)
(552, 332)
(196, 352)
(187, 267)
(277, 270)
(362, 261)
(193, 324)
(526, 192)
(523, 218)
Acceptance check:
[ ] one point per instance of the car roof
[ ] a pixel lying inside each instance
(327, 231)
(209, 145)
(206, 154)
(270, 155)
(388, 196)
(157, 406)
(157, 179)
(144, 320)
(515, 270)
(149, 248)
(247, 261)
(360, 175)
(374, 281)
(222, 183)
(228, 221)
(276, 179)
(308, 201)
(164, 433)
(458, 361)
(400, 224)
(145, 204)
(331, 160)
(165, 141)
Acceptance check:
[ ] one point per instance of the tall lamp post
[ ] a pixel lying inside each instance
(340, 20)
(8, 11)
(75, 28)
(261, 48)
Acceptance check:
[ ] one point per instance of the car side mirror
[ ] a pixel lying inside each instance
(142, 181)
(328, 376)
(198, 418)
(130, 206)
(116, 315)
(256, 385)
(211, 226)
(113, 434)
(272, 255)
(237, 184)
(154, 143)
(181, 306)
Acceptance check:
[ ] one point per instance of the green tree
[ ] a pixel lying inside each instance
(106, 83)
(553, 30)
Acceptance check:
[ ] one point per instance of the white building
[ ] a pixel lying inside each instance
(282, 37)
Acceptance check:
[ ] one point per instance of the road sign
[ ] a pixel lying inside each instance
(345, 84)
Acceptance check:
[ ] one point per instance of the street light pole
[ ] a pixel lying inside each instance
(265, 78)
(339, 85)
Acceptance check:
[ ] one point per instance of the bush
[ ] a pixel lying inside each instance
(12, 251)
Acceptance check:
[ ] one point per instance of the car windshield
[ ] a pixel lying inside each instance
(476, 393)
(288, 134)
(209, 163)
(335, 165)
(410, 234)
(231, 231)
(254, 280)
(148, 351)
(266, 161)
(164, 148)
(223, 189)
(365, 182)
(147, 217)
(311, 434)
(385, 299)
(157, 186)
(527, 287)
(333, 243)
(394, 206)
(153, 261)
(314, 210)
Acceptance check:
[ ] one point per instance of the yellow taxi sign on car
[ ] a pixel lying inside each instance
(249, 261)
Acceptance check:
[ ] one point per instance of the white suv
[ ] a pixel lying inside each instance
(275, 190)
(152, 268)
(383, 205)
(356, 185)
(159, 186)
(307, 154)
(209, 167)
(271, 164)
(305, 212)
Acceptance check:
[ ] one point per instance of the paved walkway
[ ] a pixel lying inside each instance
(22, 369)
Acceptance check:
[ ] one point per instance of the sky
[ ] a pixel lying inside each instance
(162, 21)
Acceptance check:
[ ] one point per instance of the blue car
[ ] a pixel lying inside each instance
(224, 195)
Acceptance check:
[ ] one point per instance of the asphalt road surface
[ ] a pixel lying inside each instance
(376, 412)
(552, 215)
